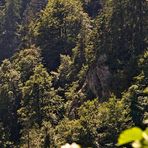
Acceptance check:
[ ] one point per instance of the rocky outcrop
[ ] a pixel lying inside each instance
(98, 81)
(99, 78)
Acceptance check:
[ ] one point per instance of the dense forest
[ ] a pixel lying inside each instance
(72, 71)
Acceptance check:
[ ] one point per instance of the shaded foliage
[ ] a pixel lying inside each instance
(73, 55)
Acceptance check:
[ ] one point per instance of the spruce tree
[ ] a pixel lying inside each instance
(59, 26)
(10, 99)
(9, 38)
(39, 101)
(25, 62)
(121, 35)
(138, 93)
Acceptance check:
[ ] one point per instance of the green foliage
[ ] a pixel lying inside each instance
(38, 137)
(130, 135)
(135, 135)
(104, 120)
(30, 12)
(9, 36)
(39, 101)
(65, 70)
(9, 98)
(143, 62)
(138, 93)
(65, 60)
(58, 29)
(25, 62)
(4, 137)
(69, 131)
(121, 37)
(34, 138)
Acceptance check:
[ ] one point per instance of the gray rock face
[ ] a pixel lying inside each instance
(97, 81)
(99, 77)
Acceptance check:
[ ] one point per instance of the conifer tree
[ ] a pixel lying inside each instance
(121, 35)
(4, 137)
(94, 48)
(59, 26)
(30, 12)
(138, 93)
(40, 101)
(10, 99)
(9, 38)
(25, 62)
(102, 121)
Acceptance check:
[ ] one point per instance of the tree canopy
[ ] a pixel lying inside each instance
(72, 71)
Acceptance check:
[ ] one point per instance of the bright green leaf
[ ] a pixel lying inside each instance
(130, 135)
(145, 90)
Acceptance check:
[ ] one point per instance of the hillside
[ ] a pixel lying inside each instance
(72, 71)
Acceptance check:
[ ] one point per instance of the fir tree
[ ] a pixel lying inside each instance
(9, 38)
(59, 26)
(10, 99)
